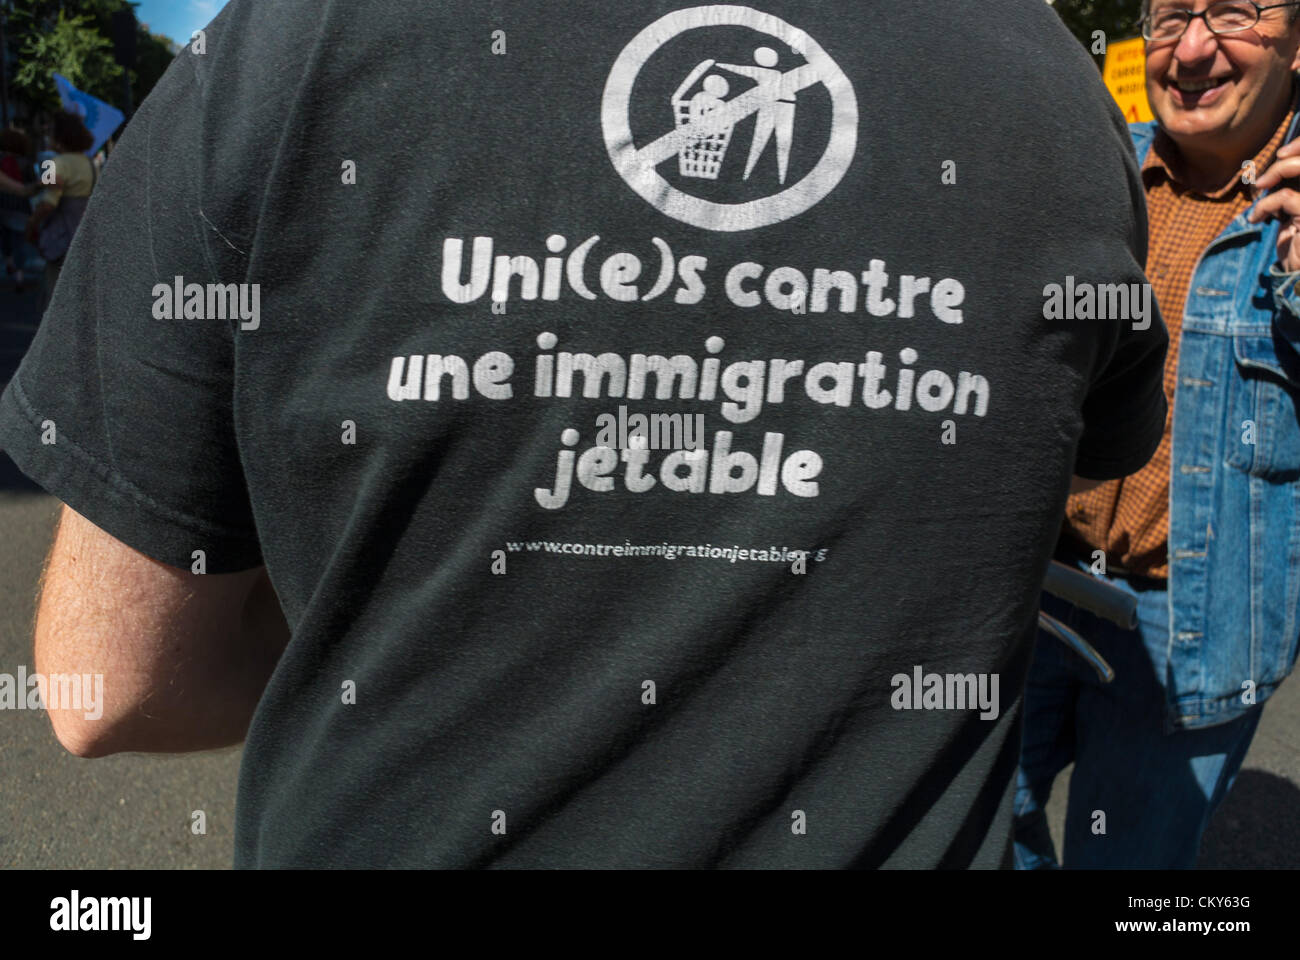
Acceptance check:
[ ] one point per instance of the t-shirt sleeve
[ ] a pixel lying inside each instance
(1125, 410)
(1124, 415)
(123, 414)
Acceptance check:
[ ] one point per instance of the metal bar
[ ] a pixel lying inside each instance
(1079, 645)
(1092, 594)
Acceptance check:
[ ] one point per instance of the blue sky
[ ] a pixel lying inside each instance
(178, 19)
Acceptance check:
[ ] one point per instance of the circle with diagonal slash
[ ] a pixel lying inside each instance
(637, 166)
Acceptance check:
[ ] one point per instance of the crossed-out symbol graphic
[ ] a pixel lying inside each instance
(705, 121)
(702, 156)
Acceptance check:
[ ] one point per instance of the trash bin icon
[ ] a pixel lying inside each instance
(701, 157)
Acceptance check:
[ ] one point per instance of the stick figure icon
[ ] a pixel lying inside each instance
(777, 113)
(711, 97)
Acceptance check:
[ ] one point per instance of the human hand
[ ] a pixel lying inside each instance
(1283, 203)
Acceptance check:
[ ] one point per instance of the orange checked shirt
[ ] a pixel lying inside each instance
(1129, 518)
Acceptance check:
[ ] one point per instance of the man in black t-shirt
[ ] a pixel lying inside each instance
(664, 497)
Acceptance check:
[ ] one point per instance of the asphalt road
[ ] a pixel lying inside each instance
(136, 810)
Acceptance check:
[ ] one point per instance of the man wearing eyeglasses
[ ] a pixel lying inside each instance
(1207, 535)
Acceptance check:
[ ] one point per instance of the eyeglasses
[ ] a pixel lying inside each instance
(1231, 16)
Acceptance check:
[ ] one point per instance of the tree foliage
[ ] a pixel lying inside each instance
(74, 38)
(1117, 19)
(73, 48)
(156, 53)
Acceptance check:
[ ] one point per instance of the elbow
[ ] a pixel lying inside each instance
(86, 723)
(81, 720)
(82, 737)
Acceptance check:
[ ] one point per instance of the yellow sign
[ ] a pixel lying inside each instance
(1126, 78)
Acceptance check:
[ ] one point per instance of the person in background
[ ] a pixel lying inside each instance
(15, 161)
(15, 154)
(1207, 535)
(60, 206)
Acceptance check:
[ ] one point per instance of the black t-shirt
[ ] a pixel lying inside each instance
(478, 241)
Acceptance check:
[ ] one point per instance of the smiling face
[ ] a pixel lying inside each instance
(1222, 95)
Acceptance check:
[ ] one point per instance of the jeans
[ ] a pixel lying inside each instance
(1139, 797)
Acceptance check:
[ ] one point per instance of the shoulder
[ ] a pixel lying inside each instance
(71, 162)
(74, 175)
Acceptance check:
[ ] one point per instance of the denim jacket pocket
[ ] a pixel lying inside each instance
(1264, 428)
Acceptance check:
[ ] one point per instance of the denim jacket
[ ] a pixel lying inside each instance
(1234, 497)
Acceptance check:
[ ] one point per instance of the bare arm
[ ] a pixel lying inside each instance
(9, 185)
(756, 72)
(184, 657)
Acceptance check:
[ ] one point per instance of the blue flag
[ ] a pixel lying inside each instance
(101, 118)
